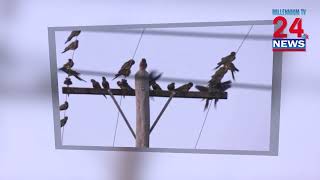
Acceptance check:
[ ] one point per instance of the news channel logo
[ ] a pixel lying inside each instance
(280, 41)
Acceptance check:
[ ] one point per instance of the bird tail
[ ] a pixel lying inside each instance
(79, 78)
(201, 88)
(233, 75)
(104, 96)
(64, 51)
(69, 39)
(116, 76)
(215, 103)
(207, 104)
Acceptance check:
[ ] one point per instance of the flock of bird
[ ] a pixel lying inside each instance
(215, 84)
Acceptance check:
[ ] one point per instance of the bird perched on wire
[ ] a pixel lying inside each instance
(71, 72)
(232, 68)
(125, 69)
(218, 88)
(64, 106)
(171, 86)
(228, 59)
(72, 46)
(105, 83)
(184, 88)
(67, 81)
(72, 35)
(68, 65)
(124, 86)
(96, 85)
(63, 121)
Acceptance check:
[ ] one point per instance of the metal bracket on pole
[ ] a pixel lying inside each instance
(122, 114)
(162, 111)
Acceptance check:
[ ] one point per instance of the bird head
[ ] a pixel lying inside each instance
(143, 64)
(70, 60)
(190, 84)
(93, 81)
(104, 78)
(119, 83)
(233, 53)
(132, 62)
(66, 102)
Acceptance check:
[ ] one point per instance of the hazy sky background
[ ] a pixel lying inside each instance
(26, 126)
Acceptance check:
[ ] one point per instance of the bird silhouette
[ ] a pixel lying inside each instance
(217, 88)
(67, 81)
(71, 72)
(124, 86)
(156, 87)
(171, 86)
(64, 106)
(184, 88)
(228, 59)
(63, 121)
(97, 86)
(105, 83)
(72, 46)
(72, 35)
(153, 77)
(125, 69)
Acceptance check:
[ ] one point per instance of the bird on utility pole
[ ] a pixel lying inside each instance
(96, 85)
(218, 75)
(124, 86)
(72, 35)
(64, 106)
(68, 65)
(125, 69)
(71, 72)
(72, 46)
(153, 77)
(171, 86)
(184, 88)
(217, 88)
(227, 59)
(105, 83)
(156, 87)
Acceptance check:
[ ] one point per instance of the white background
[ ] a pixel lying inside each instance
(26, 125)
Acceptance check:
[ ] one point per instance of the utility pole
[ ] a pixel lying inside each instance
(142, 108)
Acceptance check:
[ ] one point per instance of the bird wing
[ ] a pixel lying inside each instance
(202, 88)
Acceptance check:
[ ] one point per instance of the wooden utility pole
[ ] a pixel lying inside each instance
(142, 108)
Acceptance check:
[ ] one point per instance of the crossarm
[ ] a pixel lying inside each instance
(118, 92)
